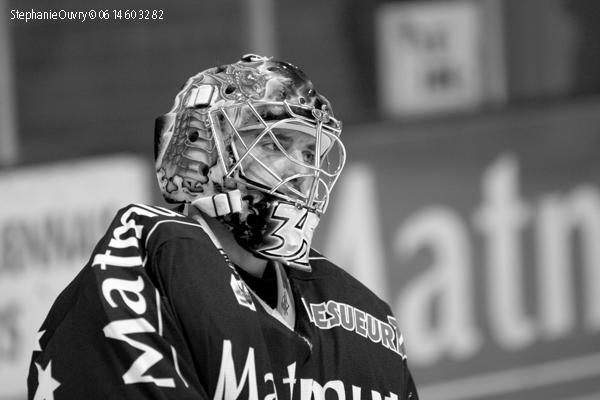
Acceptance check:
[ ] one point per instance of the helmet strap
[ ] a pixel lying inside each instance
(220, 204)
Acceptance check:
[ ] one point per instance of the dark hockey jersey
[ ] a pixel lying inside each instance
(159, 312)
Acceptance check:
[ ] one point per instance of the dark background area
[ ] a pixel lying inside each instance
(95, 87)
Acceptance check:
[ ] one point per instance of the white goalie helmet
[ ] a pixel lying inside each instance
(253, 144)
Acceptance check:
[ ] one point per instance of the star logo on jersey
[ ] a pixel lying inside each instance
(46, 383)
(38, 342)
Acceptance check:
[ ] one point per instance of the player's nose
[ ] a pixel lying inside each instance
(300, 184)
(301, 178)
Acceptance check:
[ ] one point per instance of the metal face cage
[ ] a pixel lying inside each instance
(289, 151)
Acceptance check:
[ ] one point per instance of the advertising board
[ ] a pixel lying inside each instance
(50, 219)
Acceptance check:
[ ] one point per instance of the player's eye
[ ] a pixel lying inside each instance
(308, 156)
(269, 146)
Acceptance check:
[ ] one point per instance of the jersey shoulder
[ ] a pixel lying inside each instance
(155, 225)
(337, 282)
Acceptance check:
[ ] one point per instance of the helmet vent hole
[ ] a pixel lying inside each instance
(193, 136)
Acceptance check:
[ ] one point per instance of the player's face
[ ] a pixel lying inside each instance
(289, 158)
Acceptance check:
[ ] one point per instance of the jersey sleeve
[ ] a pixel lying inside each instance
(409, 391)
(411, 388)
(111, 334)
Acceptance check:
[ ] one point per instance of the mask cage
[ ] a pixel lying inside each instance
(291, 152)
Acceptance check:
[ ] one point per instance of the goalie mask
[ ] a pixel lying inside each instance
(254, 144)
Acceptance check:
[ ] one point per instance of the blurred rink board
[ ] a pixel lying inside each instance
(51, 217)
(483, 233)
(8, 138)
(439, 56)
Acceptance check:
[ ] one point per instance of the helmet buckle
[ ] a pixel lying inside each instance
(321, 115)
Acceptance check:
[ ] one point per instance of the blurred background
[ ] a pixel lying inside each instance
(470, 201)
